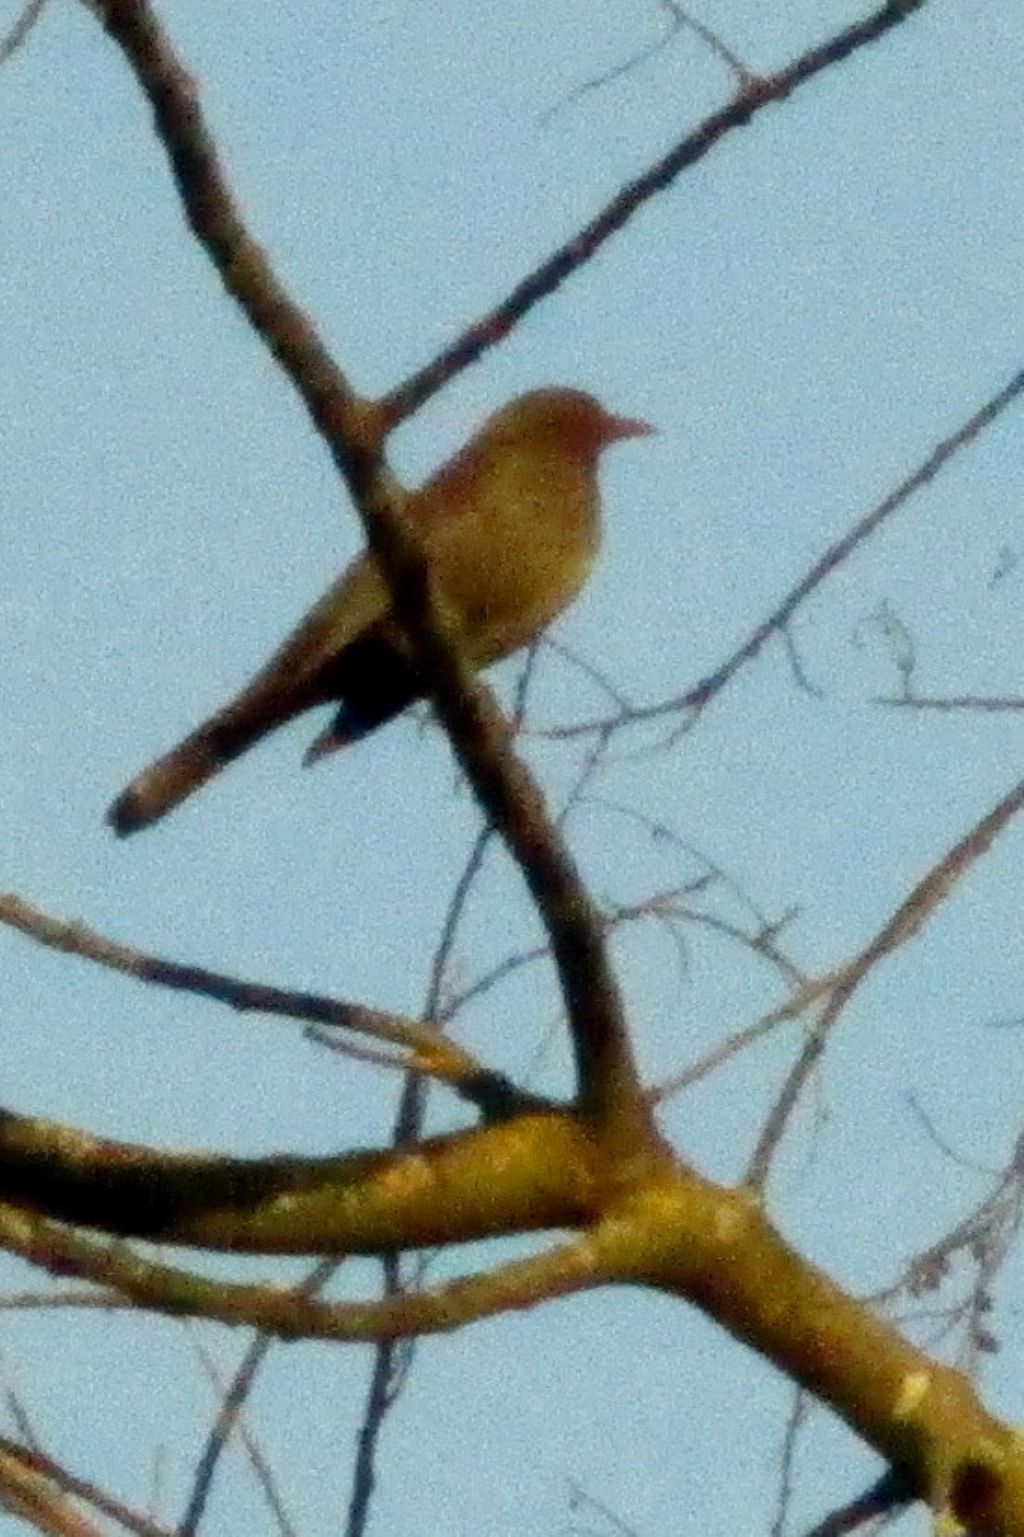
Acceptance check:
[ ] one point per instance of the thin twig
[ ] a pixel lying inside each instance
(426, 1045)
(698, 696)
(975, 704)
(795, 1421)
(915, 910)
(19, 30)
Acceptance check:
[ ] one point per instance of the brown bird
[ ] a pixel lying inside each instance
(511, 527)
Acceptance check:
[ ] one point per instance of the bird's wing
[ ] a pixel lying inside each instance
(350, 605)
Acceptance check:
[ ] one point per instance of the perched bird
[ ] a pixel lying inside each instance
(510, 525)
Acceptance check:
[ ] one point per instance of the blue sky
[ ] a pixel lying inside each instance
(803, 316)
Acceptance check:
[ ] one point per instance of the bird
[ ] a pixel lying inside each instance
(510, 527)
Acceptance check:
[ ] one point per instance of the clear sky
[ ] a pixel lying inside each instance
(803, 316)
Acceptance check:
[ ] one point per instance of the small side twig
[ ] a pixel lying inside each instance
(19, 29)
(696, 698)
(891, 1493)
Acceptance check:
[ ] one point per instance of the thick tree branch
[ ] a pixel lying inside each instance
(682, 1235)
(526, 1174)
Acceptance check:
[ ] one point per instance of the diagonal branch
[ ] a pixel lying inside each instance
(913, 912)
(215, 220)
(37, 1463)
(20, 28)
(755, 94)
(30, 1494)
(230, 1418)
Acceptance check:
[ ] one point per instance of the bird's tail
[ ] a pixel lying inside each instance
(202, 754)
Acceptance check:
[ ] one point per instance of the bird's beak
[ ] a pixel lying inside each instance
(626, 427)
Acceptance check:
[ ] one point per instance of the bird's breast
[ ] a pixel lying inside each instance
(516, 560)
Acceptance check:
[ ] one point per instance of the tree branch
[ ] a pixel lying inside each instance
(524, 1174)
(292, 1313)
(354, 431)
(755, 93)
(428, 1049)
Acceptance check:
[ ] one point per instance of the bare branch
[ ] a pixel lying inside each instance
(19, 29)
(37, 1463)
(700, 694)
(679, 21)
(392, 1358)
(738, 1040)
(914, 911)
(972, 704)
(428, 1049)
(752, 98)
(889, 1495)
(349, 427)
(230, 1418)
(557, 1272)
(28, 1494)
(795, 1421)
(742, 73)
(354, 432)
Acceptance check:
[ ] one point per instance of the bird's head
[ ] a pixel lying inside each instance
(563, 420)
(548, 433)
